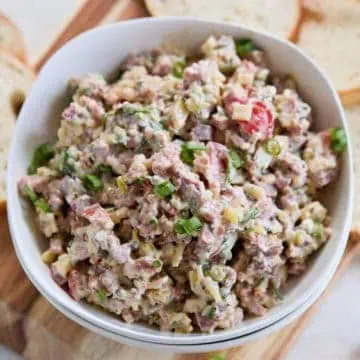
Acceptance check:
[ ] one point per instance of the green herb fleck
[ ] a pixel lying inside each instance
(250, 214)
(29, 193)
(188, 151)
(277, 292)
(101, 295)
(178, 69)
(318, 230)
(164, 189)
(92, 182)
(42, 154)
(338, 139)
(244, 47)
(211, 313)
(217, 357)
(236, 160)
(39, 203)
(188, 226)
(67, 168)
(156, 263)
(272, 147)
(42, 206)
(104, 169)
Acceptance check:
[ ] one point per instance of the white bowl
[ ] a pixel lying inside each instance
(101, 50)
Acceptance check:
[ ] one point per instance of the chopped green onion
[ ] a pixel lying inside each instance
(156, 263)
(211, 313)
(29, 193)
(188, 226)
(101, 294)
(42, 205)
(217, 357)
(272, 147)
(178, 69)
(39, 203)
(277, 292)
(67, 168)
(318, 230)
(338, 139)
(42, 154)
(92, 182)
(250, 214)
(235, 158)
(103, 169)
(244, 46)
(153, 221)
(164, 189)
(187, 151)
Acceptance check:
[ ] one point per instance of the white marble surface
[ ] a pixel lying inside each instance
(334, 332)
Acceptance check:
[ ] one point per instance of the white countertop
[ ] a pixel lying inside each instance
(334, 332)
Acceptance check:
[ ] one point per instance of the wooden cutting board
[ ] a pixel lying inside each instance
(33, 328)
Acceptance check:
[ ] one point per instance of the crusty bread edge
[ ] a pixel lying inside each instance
(292, 34)
(20, 54)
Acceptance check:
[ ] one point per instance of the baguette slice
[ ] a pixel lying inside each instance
(280, 17)
(334, 43)
(11, 38)
(353, 118)
(15, 81)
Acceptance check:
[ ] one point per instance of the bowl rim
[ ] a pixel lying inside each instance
(163, 336)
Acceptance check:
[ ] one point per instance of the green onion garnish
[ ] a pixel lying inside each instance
(101, 294)
(164, 189)
(188, 226)
(211, 313)
(244, 46)
(338, 139)
(272, 147)
(39, 203)
(156, 263)
(235, 158)
(92, 182)
(178, 69)
(250, 214)
(42, 154)
(188, 151)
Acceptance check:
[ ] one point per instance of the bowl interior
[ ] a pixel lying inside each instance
(101, 50)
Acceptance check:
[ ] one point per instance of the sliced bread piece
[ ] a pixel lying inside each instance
(353, 118)
(11, 38)
(15, 81)
(260, 14)
(334, 43)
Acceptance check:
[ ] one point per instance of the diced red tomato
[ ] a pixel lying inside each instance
(261, 122)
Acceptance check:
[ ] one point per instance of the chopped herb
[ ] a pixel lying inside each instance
(121, 184)
(164, 189)
(250, 214)
(156, 263)
(318, 230)
(244, 47)
(140, 180)
(277, 292)
(101, 295)
(178, 69)
(39, 203)
(67, 168)
(217, 357)
(211, 313)
(188, 151)
(42, 206)
(29, 193)
(272, 147)
(153, 221)
(92, 182)
(188, 226)
(103, 169)
(235, 158)
(338, 139)
(42, 154)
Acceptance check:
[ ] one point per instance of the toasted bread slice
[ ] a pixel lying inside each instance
(15, 81)
(11, 38)
(334, 43)
(353, 118)
(260, 14)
